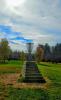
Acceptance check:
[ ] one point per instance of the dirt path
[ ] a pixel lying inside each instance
(9, 78)
(12, 79)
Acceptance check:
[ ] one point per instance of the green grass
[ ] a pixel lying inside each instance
(53, 73)
(11, 67)
(11, 93)
(49, 70)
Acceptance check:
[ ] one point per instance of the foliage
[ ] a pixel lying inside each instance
(22, 57)
(15, 55)
(4, 50)
(50, 53)
(47, 52)
(39, 54)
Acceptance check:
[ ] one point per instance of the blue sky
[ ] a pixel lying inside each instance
(37, 21)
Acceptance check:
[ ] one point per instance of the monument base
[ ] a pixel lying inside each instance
(31, 73)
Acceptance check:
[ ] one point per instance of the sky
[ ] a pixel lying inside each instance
(24, 21)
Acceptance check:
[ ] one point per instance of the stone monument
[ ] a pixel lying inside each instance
(31, 72)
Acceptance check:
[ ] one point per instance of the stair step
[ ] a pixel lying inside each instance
(32, 73)
(34, 80)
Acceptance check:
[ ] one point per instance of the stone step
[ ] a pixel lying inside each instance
(31, 79)
(31, 68)
(32, 73)
(34, 77)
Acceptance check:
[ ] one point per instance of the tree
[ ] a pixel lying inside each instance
(56, 52)
(15, 55)
(22, 57)
(4, 50)
(47, 52)
(39, 53)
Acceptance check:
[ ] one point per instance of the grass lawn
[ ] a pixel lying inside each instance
(52, 72)
(10, 93)
(49, 70)
(11, 67)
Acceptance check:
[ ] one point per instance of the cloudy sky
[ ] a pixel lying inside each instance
(37, 21)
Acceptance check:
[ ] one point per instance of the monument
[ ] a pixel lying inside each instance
(31, 72)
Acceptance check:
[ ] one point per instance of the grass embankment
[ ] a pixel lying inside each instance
(49, 70)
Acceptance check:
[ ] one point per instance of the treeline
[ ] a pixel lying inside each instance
(49, 53)
(7, 54)
(45, 53)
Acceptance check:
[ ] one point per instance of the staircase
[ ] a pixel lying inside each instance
(32, 73)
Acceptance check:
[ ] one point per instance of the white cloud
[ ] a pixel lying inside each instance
(33, 18)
